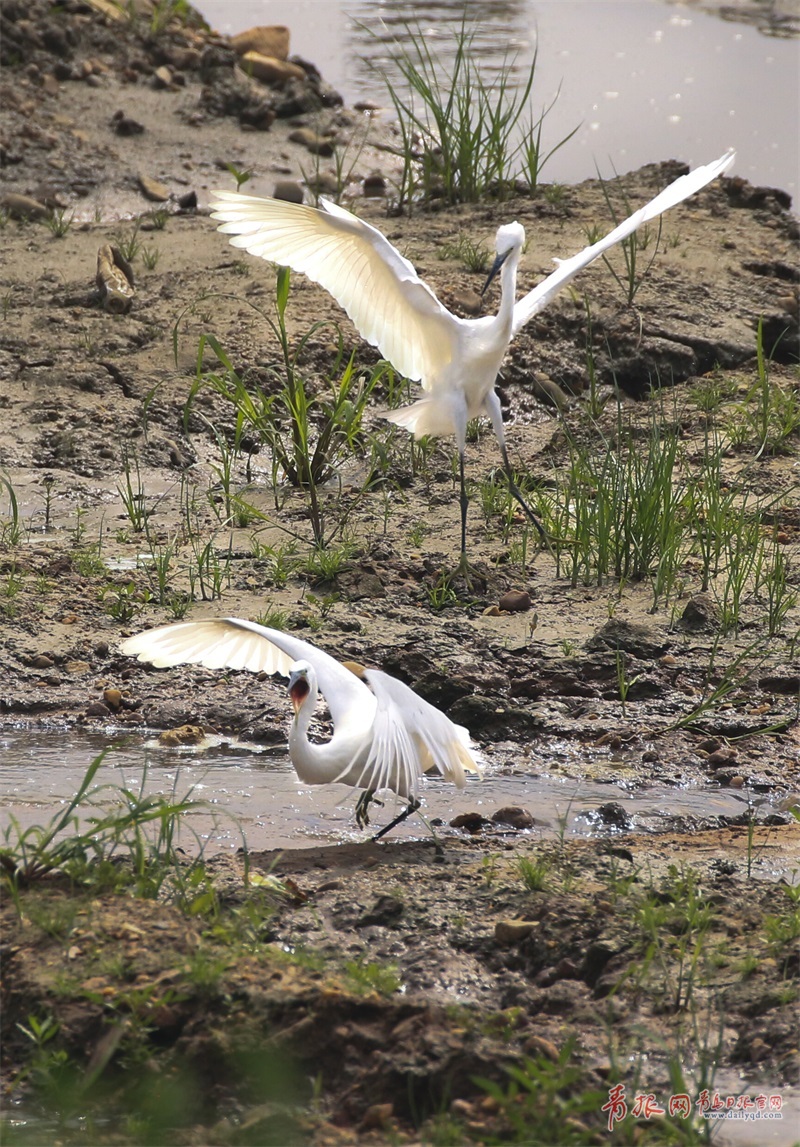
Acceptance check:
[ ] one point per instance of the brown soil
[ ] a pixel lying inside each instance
(81, 391)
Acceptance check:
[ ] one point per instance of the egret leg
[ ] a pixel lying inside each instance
(493, 409)
(514, 488)
(413, 805)
(464, 570)
(464, 504)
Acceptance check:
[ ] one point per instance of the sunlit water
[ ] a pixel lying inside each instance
(645, 80)
(257, 797)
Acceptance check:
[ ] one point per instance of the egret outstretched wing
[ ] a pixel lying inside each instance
(379, 289)
(411, 737)
(680, 189)
(233, 643)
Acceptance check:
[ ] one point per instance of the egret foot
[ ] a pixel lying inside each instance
(362, 807)
(472, 578)
(413, 805)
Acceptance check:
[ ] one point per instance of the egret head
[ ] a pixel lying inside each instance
(299, 686)
(510, 238)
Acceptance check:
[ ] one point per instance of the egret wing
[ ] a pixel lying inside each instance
(677, 191)
(410, 738)
(233, 643)
(379, 289)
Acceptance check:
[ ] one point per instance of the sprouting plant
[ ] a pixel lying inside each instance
(48, 481)
(345, 160)
(546, 1095)
(83, 838)
(417, 533)
(132, 493)
(158, 218)
(279, 562)
(273, 618)
(129, 243)
(624, 683)
(164, 12)
(326, 563)
(634, 276)
(474, 255)
(720, 684)
(555, 193)
(442, 594)
(150, 257)
(533, 872)
(59, 223)
(122, 602)
(768, 410)
(368, 977)
(712, 390)
(88, 562)
(241, 177)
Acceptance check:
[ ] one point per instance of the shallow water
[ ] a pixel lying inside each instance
(645, 80)
(257, 796)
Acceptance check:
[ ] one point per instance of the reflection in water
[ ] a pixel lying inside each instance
(498, 34)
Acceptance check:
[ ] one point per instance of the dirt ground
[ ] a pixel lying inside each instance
(374, 999)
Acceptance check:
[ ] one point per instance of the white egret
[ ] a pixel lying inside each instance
(385, 736)
(456, 360)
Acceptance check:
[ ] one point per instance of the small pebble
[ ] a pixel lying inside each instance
(515, 601)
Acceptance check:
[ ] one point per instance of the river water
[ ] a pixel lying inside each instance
(644, 79)
(257, 796)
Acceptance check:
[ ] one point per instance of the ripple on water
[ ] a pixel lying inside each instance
(256, 793)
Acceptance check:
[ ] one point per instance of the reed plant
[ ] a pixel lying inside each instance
(463, 136)
(106, 835)
(634, 274)
(617, 514)
(308, 434)
(10, 526)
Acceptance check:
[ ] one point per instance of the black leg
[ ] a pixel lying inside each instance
(413, 805)
(514, 488)
(464, 505)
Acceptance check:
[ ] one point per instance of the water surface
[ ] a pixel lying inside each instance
(646, 81)
(257, 796)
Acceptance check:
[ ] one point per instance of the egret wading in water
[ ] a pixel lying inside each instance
(384, 737)
(456, 360)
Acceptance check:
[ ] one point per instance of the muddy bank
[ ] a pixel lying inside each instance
(355, 1008)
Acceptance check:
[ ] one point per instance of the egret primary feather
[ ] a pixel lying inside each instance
(385, 735)
(456, 360)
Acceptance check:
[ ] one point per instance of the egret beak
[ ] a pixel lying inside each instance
(298, 691)
(498, 263)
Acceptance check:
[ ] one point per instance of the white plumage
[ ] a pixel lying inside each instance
(385, 736)
(456, 360)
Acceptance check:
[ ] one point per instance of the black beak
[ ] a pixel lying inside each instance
(498, 263)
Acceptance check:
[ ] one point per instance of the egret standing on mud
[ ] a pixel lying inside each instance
(456, 360)
(385, 736)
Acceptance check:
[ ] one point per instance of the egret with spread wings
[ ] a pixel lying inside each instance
(385, 736)
(456, 360)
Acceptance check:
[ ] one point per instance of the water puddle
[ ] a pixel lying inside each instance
(768, 1126)
(255, 795)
